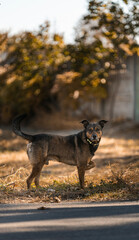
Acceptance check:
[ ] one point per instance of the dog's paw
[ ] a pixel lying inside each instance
(90, 165)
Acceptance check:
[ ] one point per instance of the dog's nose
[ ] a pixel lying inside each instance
(94, 136)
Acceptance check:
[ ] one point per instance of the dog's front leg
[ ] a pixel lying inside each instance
(90, 165)
(81, 174)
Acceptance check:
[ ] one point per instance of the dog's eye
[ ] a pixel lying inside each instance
(97, 129)
(90, 131)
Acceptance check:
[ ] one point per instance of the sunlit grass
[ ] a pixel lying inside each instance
(113, 185)
(110, 180)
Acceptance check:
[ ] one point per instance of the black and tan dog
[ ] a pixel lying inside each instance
(76, 150)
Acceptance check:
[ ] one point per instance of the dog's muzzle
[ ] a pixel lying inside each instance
(93, 141)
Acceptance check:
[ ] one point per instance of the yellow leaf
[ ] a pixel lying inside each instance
(109, 16)
(125, 47)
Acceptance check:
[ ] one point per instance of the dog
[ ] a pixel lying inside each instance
(77, 149)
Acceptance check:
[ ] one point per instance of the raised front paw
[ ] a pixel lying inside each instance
(46, 162)
(90, 165)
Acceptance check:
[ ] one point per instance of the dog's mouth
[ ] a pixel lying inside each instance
(93, 141)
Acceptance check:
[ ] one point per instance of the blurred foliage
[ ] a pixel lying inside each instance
(105, 37)
(39, 71)
(33, 60)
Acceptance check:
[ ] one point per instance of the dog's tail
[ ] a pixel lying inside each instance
(17, 130)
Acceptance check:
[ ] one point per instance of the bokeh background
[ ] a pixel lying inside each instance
(76, 59)
(62, 62)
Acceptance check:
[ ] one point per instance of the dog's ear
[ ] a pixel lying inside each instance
(102, 123)
(85, 123)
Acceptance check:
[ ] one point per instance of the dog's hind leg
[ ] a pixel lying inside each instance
(35, 155)
(36, 169)
(37, 177)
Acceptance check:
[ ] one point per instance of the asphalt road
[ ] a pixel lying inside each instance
(69, 221)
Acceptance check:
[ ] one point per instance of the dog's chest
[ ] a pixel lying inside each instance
(92, 149)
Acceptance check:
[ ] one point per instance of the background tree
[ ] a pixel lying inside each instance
(106, 37)
(33, 60)
(39, 71)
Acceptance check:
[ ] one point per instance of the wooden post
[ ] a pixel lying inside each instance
(136, 83)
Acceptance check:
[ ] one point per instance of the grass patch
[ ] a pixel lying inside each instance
(118, 180)
(117, 185)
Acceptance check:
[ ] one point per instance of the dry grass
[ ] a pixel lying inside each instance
(116, 176)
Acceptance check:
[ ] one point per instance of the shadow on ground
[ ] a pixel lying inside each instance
(90, 222)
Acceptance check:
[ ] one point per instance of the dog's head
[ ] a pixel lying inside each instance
(93, 131)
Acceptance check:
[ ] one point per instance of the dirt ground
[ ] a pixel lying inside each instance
(117, 162)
